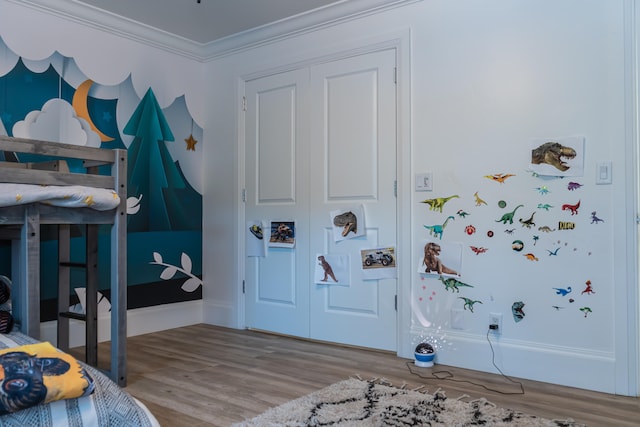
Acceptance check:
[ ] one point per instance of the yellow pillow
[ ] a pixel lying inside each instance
(39, 373)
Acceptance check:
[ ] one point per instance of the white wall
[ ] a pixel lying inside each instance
(484, 77)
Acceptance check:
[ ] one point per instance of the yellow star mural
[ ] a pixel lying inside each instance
(191, 143)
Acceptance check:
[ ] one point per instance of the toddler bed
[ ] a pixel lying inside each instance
(39, 189)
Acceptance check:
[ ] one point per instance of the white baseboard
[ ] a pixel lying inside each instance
(139, 321)
(218, 314)
(565, 366)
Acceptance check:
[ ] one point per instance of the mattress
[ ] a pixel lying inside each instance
(72, 196)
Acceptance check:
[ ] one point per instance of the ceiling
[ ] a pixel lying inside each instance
(207, 21)
(209, 28)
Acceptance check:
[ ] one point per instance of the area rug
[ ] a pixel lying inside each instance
(358, 403)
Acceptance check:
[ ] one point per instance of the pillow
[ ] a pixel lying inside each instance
(39, 373)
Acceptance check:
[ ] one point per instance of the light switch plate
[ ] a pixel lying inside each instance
(424, 181)
(603, 173)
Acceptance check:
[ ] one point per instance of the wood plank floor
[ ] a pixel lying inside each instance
(204, 375)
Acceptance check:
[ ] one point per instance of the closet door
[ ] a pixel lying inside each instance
(277, 188)
(353, 147)
(321, 139)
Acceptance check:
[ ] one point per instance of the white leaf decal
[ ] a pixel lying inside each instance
(191, 284)
(133, 205)
(157, 257)
(186, 263)
(168, 273)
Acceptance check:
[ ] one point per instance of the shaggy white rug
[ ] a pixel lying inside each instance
(357, 403)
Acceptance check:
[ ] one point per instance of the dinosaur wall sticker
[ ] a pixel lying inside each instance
(573, 186)
(453, 284)
(517, 310)
(438, 203)
(528, 222)
(508, 217)
(595, 219)
(571, 208)
(469, 303)
(438, 229)
(500, 177)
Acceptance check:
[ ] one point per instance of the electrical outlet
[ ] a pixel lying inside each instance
(495, 319)
(457, 318)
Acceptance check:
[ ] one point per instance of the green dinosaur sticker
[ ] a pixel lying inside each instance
(508, 217)
(453, 284)
(437, 203)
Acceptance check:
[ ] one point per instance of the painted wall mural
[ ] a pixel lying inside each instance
(51, 99)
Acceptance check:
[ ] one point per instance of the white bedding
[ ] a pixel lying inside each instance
(107, 406)
(72, 196)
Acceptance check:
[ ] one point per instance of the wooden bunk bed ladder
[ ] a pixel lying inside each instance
(90, 266)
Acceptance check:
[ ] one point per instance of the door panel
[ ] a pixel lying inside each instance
(349, 127)
(276, 144)
(277, 189)
(353, 144)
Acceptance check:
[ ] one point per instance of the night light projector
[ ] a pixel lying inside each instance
(424, 355)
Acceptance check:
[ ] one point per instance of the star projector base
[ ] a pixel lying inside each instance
(424, 364)
(424, 355)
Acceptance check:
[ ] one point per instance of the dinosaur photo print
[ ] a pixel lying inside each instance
(441, 258)
(348, 223)
(557, 156)
(332, 269)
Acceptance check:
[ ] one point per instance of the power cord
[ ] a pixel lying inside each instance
(493, 361)
(448, 376)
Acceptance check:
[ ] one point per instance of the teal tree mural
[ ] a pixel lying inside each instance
(153, 177)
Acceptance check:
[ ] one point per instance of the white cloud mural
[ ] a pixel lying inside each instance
(58, 122)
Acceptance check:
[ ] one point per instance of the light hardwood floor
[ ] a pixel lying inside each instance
(204, 375)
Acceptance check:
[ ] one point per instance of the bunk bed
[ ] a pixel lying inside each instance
(44, 190)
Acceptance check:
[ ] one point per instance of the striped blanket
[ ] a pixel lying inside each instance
(108, 405)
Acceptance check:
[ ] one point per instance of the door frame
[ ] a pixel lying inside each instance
(400, 42)
(627, 301)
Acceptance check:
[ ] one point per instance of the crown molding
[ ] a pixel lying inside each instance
(330, 15)
(102, 20)
(99, 19)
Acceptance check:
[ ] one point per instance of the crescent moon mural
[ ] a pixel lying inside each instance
(79, 104)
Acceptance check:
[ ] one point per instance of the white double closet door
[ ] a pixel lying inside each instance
(322, 139)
